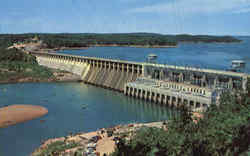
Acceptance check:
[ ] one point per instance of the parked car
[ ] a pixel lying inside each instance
(91, 145)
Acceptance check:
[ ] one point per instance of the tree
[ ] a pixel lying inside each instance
(223, 131)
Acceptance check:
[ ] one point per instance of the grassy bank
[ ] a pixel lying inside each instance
(16, 65)
(17, 70)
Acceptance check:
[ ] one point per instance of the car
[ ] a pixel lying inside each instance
(91, 145)
(116, 138)
(110, 133)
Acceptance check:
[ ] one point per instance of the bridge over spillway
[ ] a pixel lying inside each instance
(122, 76)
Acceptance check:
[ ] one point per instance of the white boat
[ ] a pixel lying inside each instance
(238, 64)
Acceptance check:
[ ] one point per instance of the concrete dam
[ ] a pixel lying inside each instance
(163, 84)
(106, 73)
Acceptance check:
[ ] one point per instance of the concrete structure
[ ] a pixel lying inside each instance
(171, 93)
(208, 78)
(113, 74)
(165, 84)
(201, 77)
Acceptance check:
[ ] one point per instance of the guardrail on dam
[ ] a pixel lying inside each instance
(192, 86)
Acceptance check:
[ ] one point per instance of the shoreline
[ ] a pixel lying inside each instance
(134, 46)
(58, 77)
(104, 45)
(100, 141)
(38, 81)
(105, 139)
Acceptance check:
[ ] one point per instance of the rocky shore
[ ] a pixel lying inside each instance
(96, 143)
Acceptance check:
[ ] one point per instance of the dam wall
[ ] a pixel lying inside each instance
(163, 84)
(109, 78)
(70, 66)
(112, 74)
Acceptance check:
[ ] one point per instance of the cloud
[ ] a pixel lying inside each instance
(243, 10)
(195, 6)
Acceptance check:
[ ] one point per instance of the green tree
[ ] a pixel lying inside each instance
(223, 131)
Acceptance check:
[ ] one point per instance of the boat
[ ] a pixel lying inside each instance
(237, 66)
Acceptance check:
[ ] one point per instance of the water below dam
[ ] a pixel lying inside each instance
(75, 107)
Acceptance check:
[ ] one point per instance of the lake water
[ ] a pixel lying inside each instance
(202, 55)
(104, 107)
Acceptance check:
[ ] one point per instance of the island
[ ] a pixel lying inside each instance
(13, 114)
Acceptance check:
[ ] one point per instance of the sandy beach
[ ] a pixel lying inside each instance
(14, 114)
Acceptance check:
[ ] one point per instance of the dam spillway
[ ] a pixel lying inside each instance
(109, 78)
(106, 73)
(120, 75)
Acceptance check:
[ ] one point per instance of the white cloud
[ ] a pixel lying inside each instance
(195, 6)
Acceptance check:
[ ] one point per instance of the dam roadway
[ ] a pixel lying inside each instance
(119, 75)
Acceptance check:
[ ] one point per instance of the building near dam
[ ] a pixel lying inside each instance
(163, 84)
(172, 94)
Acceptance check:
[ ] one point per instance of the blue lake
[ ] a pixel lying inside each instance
(105, 108)
(201, 55)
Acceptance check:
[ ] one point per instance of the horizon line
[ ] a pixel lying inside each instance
(124, 33)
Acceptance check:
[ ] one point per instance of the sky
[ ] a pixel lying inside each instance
(212, 17)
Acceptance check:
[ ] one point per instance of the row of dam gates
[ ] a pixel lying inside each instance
(165, 84)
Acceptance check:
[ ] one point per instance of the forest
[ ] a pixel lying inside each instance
(224, 130)
(121, 39)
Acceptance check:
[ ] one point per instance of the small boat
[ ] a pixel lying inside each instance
(84, 106)
(237, 66)
(152, 56)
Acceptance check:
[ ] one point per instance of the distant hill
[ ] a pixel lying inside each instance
(202, 38)
(118, 39)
